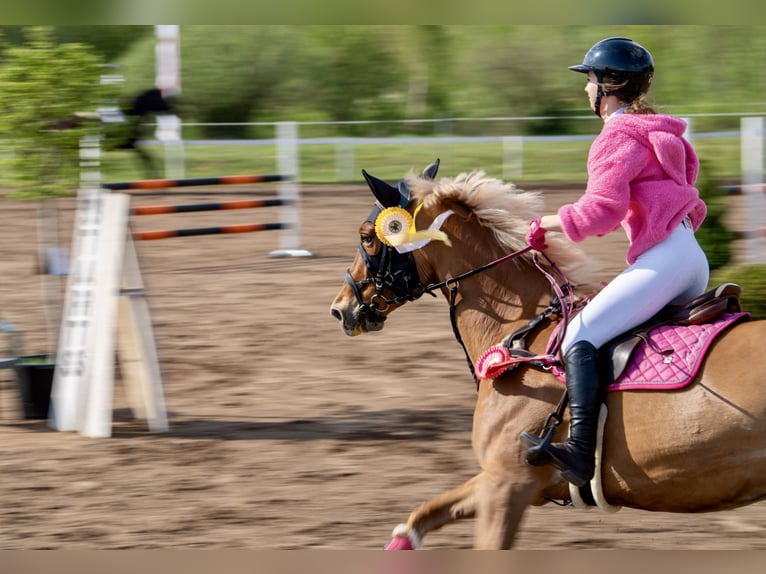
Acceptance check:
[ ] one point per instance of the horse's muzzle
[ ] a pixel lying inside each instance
(356, 320)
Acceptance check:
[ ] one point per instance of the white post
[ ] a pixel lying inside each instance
(752, 187)
(513, 157)
(68, 392)
(289, 191)
(169, 133)
(137, 349)
(168, 80)
(96, 416)
(344, 160)
(689, 131)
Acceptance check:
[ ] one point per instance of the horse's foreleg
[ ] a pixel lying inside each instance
(452, 505)
(501, 502)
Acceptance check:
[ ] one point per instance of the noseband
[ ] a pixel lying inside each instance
(387, 269)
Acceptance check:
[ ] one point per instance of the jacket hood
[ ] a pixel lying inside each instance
(664, 136)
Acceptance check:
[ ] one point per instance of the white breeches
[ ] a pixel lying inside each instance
(674, 271)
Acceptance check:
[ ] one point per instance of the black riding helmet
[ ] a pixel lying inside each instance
(622, 62)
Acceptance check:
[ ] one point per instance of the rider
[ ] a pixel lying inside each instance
(641, 174)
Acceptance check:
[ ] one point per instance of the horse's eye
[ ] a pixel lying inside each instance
(367, 234)
(367, 240)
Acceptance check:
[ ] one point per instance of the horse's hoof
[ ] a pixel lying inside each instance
(400, 542)
(404, 538)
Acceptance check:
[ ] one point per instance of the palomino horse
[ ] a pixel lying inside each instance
(701, 448)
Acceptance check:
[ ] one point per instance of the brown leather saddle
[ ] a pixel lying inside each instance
(615, 355)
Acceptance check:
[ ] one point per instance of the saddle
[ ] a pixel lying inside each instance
(615, 355)
(710, 312)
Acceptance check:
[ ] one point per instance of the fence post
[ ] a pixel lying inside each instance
(689, 131)
(169, 133)
(289, 191)
(513, 157)
(344, 160)
(168, 79)
(752, 186)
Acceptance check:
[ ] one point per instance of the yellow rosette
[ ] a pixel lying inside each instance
(392, 222)
(395, 227)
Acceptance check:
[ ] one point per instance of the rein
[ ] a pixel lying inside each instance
(453, 284)
(557, 305)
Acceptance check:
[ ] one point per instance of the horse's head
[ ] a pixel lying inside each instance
(486, 219)
(383, 274)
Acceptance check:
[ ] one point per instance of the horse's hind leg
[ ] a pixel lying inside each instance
(452, 505)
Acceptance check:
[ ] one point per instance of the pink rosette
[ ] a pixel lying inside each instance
(493, 362)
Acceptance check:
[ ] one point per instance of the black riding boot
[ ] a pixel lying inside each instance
(575, 457)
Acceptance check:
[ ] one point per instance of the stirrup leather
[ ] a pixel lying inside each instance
(537, 445)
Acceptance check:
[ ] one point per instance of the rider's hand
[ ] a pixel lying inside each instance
(536, 235)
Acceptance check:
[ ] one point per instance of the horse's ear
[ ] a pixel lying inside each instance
(387, 195)
(430, 171)
(404, 193)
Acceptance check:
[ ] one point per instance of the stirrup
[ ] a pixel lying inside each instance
(537, 446)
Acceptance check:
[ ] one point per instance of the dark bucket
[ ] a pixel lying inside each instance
(34, 376)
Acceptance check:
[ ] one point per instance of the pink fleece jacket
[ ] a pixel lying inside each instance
(641, 174)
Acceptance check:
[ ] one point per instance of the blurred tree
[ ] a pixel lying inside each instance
(42, 84)
(229, 74)
(341, 73)
(355, 73)
(713, 235)
(109, 41)
(752, 278)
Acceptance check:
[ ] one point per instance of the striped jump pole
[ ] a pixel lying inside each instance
(290, 237)
(759, 233)
(236, 228)
(216, 206)
(193, 182)
(742, 190)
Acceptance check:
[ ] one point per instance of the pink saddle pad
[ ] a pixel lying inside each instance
(650, 370)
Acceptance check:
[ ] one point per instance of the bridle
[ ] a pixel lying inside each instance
(386, 269)
(390, 270)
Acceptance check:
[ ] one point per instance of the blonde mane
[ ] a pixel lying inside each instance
(506, 211)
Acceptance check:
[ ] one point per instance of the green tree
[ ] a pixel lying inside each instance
(713, 235)
(41, 83)
(354, 74)
(341, 73)
(109, 41)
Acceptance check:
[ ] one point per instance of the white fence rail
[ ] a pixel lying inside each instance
(288, 144)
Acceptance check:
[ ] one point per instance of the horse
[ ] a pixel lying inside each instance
(145, 104)
(697, 449)
(126, 126)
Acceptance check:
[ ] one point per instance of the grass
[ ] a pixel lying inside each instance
(538, 161)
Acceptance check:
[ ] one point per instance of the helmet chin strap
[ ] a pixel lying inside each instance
(597, 103)
(599, 93)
